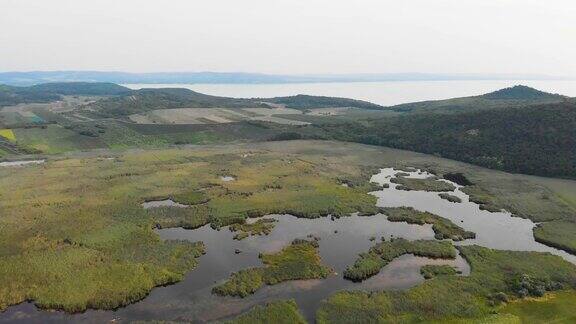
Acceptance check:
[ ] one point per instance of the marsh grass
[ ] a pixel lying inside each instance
(262, 226)
(449, 197)
(370, 263)
(428, 184)
(443, 228)
(430, 271)
(73, 234)
(559, 234)
(300, 260)
(277, 312)
(454, 299)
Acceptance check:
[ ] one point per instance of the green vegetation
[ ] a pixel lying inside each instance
(442, 227)
(555, 307)
(81, 88)
(277, 312)
(10, 95)
(77, 221)
(559, 234)
(309, 102)
(370, 263)
(428, 184)
(516, 96)
(300, 260)
(495, 274)
(449, 197)
(431, 271)
(538, 140)
(262, 226)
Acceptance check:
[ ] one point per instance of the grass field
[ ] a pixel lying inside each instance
(8, 134)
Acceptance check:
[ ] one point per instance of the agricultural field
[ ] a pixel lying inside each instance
(215, 116)
(8, 134)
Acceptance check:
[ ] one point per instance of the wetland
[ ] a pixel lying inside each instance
(243, 227)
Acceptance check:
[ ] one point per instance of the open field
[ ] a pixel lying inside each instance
(215, 116)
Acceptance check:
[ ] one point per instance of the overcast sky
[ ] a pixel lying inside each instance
(290, 36)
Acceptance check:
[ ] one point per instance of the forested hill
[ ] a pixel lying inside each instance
(518, 96)
(82, 88)
(139, 101)
(47, 92)
(309, 102)
(143, 100)
(538, 140)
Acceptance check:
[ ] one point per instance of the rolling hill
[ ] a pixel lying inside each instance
(536, 139)
(514, 96)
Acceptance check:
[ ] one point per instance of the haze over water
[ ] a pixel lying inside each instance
(383, 93)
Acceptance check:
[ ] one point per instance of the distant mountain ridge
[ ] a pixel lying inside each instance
(36, 77)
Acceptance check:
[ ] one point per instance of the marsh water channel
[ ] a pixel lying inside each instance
(340, 240)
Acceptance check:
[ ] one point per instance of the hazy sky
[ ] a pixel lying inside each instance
(290, 36)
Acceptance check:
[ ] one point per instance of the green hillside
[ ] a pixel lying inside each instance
(538, 140)
(516, 96)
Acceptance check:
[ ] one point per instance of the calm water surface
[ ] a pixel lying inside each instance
(340, 242)
(383, 93)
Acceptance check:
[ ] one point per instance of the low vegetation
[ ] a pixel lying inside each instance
(557, 307)
(300, 260)
(370, 263)
(431, 271)
(559, 234)
(449, 197)
(442, 227)
(496, 276)
(428, 184)
(77, 221)
(277, 312)
(262, 226)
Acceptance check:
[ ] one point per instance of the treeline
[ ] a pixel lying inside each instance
(539, 140)
(310, 102)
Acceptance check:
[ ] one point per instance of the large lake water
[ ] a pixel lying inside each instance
(383, 93)
(340, 242)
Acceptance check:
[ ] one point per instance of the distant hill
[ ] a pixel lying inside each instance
(47, 92)
(82, 88)
(138, 101)
(509, 97)
(521, 92)
(309, 102)
(16, 95)
(537, 139)
(143, 100)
